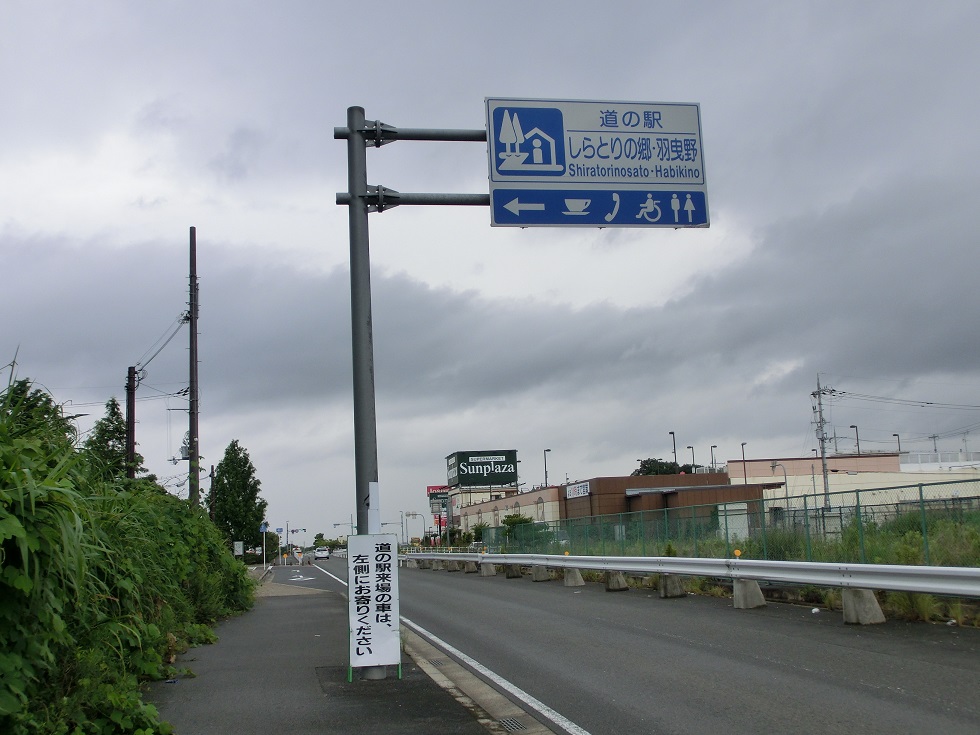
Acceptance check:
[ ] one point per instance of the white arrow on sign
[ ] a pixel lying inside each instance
(516, 207)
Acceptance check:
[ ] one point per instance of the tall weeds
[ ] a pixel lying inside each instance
(101, 582)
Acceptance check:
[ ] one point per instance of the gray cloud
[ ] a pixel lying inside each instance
(839, 150)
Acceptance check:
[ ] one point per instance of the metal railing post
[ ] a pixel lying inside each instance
(860, 522)
(806, 526)
(925, 526)
(728, 547)
(765, 545)
(695, 531)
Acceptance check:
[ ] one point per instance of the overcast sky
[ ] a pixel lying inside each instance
(841, 152)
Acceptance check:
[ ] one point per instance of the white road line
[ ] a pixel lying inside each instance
(540, 707)
(332, 576)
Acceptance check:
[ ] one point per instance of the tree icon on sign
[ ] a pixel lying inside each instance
(511, 134)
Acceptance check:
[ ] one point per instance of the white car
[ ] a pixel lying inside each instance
(322, 552)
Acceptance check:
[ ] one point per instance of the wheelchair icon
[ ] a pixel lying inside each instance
(650, 209)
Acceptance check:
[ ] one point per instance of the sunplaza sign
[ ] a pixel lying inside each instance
(482, 469)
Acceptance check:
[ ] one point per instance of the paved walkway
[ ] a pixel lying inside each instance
(282, 667)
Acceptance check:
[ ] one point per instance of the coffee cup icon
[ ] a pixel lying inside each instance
(577, 206)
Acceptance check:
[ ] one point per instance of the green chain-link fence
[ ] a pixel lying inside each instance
(929, 523)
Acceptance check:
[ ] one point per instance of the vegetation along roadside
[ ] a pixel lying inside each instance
(103, 579)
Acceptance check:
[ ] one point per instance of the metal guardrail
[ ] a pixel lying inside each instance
(952, 581)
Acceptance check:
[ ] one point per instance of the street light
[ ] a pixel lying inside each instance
(713, 448)
(899, 439)
(693, 470)
(745, 477)
(673, 441)
(857, 438)
(418, 515)
(776, 464)
(545, 453)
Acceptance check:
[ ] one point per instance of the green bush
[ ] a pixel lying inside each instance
(101, 582)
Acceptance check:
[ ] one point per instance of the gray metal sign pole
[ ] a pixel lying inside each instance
(365, 420)
(360, 200)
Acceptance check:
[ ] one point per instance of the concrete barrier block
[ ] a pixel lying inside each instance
(616, 582)
(487, 569)
(513, 571)
(454, 566)
(573, 578)
(425, 563)
(411, 564)
(671, 585)
(540, 574)
(469, 567)
(437, 565)
(861, 607)
(747, 595)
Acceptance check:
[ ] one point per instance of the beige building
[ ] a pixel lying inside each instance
(540, 505)
(880, 472)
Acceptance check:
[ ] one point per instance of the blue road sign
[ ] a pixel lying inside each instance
(595, 164)
(599, 207)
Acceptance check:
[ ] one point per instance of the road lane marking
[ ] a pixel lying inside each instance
(332, 576)
(538, 706)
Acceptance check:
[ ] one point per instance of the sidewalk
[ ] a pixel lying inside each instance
(282, 666)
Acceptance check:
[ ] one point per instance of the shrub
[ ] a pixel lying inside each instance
(101, 582)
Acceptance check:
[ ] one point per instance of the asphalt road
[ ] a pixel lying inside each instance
(630, 662)
(282, 667)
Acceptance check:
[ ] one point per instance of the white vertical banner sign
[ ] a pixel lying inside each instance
(372, 578)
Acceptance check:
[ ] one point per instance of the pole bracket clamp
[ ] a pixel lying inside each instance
(379, 198)
(378, 133)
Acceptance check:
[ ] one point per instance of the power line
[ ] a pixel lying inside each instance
(180, 321)
(840, 394)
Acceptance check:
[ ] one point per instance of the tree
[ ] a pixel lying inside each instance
(478, 530)
(657, 467)
(31, 411)
(234, 497)
(106, 444)
(512, 521)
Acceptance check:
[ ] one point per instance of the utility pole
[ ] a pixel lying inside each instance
(822, 438)
(214, 499)
(131, 422)
(194, 462)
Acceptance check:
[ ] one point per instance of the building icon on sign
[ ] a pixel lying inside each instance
(539, 151)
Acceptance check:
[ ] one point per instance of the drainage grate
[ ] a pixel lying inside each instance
(438, 662)
(511, 725)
